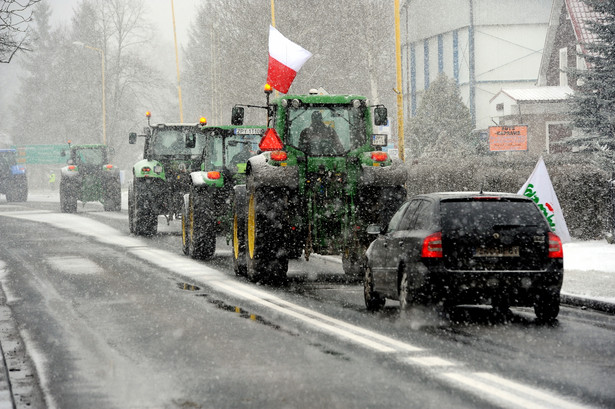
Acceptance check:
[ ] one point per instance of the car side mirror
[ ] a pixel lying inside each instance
(237, 116)
(380, 116)
(190, 140)
(132, 138)
(63, 153)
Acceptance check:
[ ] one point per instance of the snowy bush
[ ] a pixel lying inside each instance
(581, 185)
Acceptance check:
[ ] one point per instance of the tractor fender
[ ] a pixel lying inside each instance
(200, 178)
(393, 175)
(262, 173)
(156, 169)
(65, 172)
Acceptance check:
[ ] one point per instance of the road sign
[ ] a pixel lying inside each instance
(41, 154)
(508, 138)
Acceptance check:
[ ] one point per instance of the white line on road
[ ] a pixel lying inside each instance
(490, 387)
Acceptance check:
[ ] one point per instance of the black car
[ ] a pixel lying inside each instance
(466, 248)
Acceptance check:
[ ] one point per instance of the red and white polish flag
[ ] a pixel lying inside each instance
(285, 60)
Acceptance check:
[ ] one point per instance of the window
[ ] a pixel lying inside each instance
(499, 107)
(395, 220)
(563, 66)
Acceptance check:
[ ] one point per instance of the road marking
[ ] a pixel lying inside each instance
(490, 387)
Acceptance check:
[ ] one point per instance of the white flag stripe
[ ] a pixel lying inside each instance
(539, 188)
(285, 51)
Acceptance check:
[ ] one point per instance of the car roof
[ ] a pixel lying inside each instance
(468, 195)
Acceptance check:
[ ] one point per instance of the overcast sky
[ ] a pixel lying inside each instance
(158, 12)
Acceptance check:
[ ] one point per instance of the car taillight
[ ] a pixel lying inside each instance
(109, 166)
(72, 167)
(432, 246)
(146, 169)
(213, 175)
(279, 156)
(379, 156)
(556, 249)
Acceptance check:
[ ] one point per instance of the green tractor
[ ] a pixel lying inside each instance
(207, 206)
(89, 177)
(13, 178)
(162, 177)
(321, 179)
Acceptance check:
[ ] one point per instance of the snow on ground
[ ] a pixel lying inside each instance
(589, 270)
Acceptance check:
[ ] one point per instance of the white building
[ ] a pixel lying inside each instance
(485, 45)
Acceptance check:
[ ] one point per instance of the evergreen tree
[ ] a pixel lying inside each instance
(443, 123)
(593, 104)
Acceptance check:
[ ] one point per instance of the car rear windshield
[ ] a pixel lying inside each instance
(485, 214)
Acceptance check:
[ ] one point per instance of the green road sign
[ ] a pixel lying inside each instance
(41, 154)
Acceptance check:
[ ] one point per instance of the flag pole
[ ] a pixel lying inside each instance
(179, 87)
(273, 24)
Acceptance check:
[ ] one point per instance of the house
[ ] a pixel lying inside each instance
(484, 45)
(544, 108)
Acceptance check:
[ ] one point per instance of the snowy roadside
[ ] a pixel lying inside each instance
(589, 270)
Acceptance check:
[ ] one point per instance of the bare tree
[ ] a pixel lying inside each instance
(15, 16)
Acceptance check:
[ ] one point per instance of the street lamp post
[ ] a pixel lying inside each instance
(104, 105)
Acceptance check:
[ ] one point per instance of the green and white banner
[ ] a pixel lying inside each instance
(539, 188)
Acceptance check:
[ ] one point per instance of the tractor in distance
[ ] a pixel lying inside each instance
(89, 177)
(207, 210)
(13, 178)
(320, 181)
(162, 178)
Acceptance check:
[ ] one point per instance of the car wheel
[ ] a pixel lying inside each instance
(546, 306)
(406, 294)
(373, 300)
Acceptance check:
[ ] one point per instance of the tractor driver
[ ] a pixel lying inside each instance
(320, 139)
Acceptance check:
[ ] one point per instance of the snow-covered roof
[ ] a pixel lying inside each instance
(537, 94)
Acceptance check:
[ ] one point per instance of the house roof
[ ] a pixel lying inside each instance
(537, 94)
(579, 13)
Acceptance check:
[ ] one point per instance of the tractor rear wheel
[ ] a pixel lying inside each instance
(68, 197)
(185, 229)
(239, 233)
(112, 200)
(266, 257)
(140, 217)
(202, 232)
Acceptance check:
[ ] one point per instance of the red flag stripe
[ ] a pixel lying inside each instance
(279, 76)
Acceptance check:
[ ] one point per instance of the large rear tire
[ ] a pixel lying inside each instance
(266, 257)
(202, 232)
(112, 201)
(140, 217)
(68, 197)
(239, 232)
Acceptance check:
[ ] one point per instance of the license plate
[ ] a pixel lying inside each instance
(497, 252)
